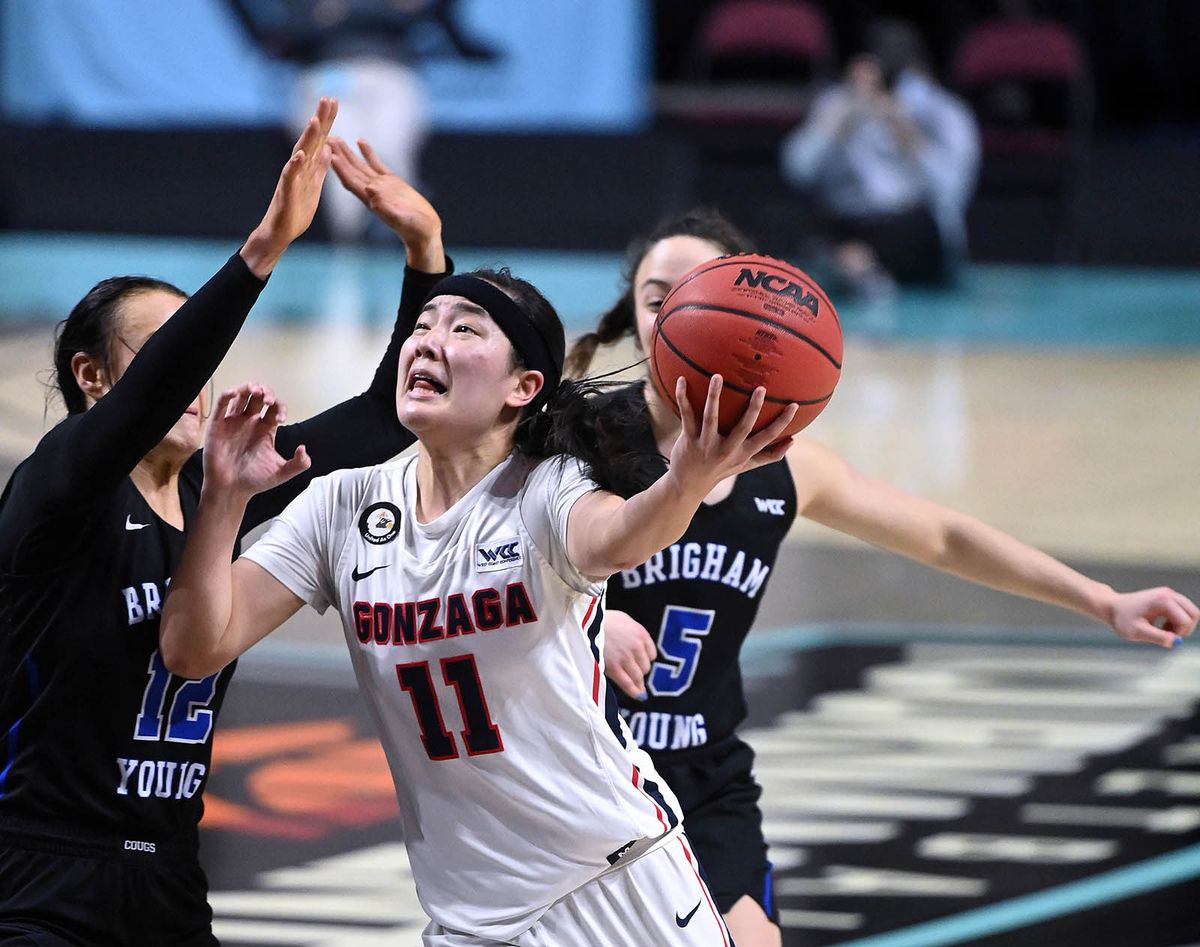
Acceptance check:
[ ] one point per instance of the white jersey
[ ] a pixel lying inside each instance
(478, 646)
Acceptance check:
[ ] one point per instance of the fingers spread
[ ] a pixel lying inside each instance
(373, 159)
(712, 404)
(225, 401)
(255, 402)
(773, 452)
(686, 415)
(745, 424)
(273, 414)
(771, 434)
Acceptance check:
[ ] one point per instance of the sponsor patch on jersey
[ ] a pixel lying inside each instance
(492, 557)
(380, 523)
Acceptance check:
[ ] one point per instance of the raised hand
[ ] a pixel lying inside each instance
(239, 449)
(629, 652)
(297, 193)
(1158, 616)
(394, 201)
(702, 456)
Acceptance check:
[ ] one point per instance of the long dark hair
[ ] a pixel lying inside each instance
(706, 223)
(91, 328)
(570, 419)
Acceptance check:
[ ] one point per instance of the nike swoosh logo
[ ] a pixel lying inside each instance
(130, 524)
(687, 918)
(359, 576)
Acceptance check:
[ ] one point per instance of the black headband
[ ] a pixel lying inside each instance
(513, 322)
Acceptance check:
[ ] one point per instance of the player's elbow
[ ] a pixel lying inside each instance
(183, 658)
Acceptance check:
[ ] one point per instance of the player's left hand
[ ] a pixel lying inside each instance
(629, 651)
(1158, 616)
(394, 201)
(239, 449)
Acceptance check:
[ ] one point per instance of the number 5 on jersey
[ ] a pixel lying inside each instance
(679, 643)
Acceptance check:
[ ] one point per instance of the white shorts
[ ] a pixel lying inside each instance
(657, 900)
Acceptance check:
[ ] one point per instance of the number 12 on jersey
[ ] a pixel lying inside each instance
(480, 735)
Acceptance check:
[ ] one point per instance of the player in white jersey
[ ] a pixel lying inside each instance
(470, 582)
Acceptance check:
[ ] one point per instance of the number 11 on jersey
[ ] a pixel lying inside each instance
(479, 733)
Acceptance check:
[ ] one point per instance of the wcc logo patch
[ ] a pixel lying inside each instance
(772, 506)
(492, 557)
(380, 523)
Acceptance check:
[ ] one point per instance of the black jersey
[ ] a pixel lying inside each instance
(97, 739)
(698, 598)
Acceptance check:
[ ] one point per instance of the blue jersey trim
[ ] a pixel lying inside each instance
(12, 740)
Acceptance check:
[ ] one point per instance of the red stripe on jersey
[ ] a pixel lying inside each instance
(596, 675)
(591, 606)
(637, 776)
(703, 887)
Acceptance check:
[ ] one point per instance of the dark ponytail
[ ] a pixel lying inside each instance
(614, 325)
(91, 328)
(705, 223)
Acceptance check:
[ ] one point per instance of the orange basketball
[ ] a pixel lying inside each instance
(755, 321)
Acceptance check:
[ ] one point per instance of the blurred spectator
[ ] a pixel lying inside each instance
(890, 159)
(364, 53)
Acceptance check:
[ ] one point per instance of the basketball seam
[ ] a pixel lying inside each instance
(741, 260)
(758, 318)
(728, 384)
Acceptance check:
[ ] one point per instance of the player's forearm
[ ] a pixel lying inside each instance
(977, 552)
(199, 607)
(646, 523)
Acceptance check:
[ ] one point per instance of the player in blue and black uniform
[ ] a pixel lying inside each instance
(104, 755)
(683, 695)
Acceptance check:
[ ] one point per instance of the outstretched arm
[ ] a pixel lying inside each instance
(364, 430)
(217, 608)
(95, 450)
(830, 492)
(606, 533)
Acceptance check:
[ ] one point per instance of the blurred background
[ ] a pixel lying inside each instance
(1039, 368)
(634, 108)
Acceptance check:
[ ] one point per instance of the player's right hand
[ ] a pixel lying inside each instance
(702, 456)
(629, 652)
(1158, 616)
(297, 193)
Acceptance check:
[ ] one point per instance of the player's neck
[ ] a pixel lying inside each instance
(157, 480)
(446, 474)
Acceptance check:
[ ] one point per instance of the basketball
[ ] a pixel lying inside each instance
(755, 321)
